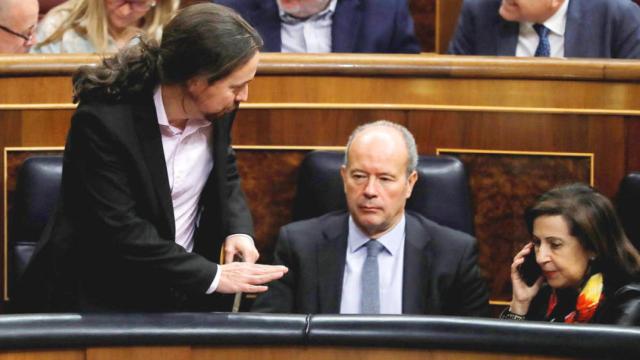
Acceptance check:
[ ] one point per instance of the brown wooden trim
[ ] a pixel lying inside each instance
(423, 65)
(371, 106)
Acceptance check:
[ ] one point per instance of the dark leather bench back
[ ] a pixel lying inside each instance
(440, 194)
(628, 206)
(36, 195)
(301, 333)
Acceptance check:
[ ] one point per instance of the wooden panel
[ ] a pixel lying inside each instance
(42, 355)
(139, 353)
(446, 94)
(50, 90)
(447, 12)
(313, 127)
(603, 136)
(261, 352)
(322, 353)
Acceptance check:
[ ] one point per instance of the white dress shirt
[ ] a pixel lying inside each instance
(312, 35)
(528, 38)
(188, 154)
(390, 269)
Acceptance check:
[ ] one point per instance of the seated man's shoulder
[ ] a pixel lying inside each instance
(441, 234)
(605, 8)
(327, 221)
(239, 4)
(481, 5)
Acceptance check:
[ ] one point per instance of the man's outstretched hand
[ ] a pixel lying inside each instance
(247, 278)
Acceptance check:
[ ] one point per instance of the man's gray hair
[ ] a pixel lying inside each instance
(409, 142)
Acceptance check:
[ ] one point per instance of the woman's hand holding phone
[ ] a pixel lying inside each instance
(526, 279)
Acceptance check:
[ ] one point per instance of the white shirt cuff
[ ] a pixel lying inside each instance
(216, 281)
(243, 235)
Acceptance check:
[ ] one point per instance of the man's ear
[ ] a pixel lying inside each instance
(411, 181)
(196, 84)
(343, 174)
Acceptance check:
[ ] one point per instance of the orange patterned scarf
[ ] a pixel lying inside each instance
(587, 303)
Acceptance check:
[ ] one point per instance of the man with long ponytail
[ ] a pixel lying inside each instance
(150, 189)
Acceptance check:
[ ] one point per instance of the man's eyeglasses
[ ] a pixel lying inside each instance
(27, 38)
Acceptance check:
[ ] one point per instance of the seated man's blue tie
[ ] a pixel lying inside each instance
(370, 296)
(544, 48)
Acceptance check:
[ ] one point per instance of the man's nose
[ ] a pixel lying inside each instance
(370, 189)
(243, 95)
(30, 42)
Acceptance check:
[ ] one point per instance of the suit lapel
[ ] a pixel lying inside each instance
(331, 259)
(576, 34)
(346, 25)
(212, 194)
(146, 123)
(265, 17)
(508, 32)
(221, 140)
(415, 279)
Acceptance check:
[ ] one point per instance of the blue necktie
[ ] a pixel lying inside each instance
(370, 295)
(544, 49)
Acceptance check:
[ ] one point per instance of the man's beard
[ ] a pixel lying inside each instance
(215, 116)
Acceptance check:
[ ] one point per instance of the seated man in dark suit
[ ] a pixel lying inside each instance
(557, 28)
(321, 26)
(377, 257)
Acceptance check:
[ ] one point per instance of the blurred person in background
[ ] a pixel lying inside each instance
(548, 28)
(18, 19)
(101, 26)
(322, 26)
(581, 266)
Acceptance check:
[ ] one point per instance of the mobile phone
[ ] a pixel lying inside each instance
(529, 270)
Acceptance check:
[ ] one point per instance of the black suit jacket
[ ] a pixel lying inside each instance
(441, 276)
(594, 29)
(111, 243)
